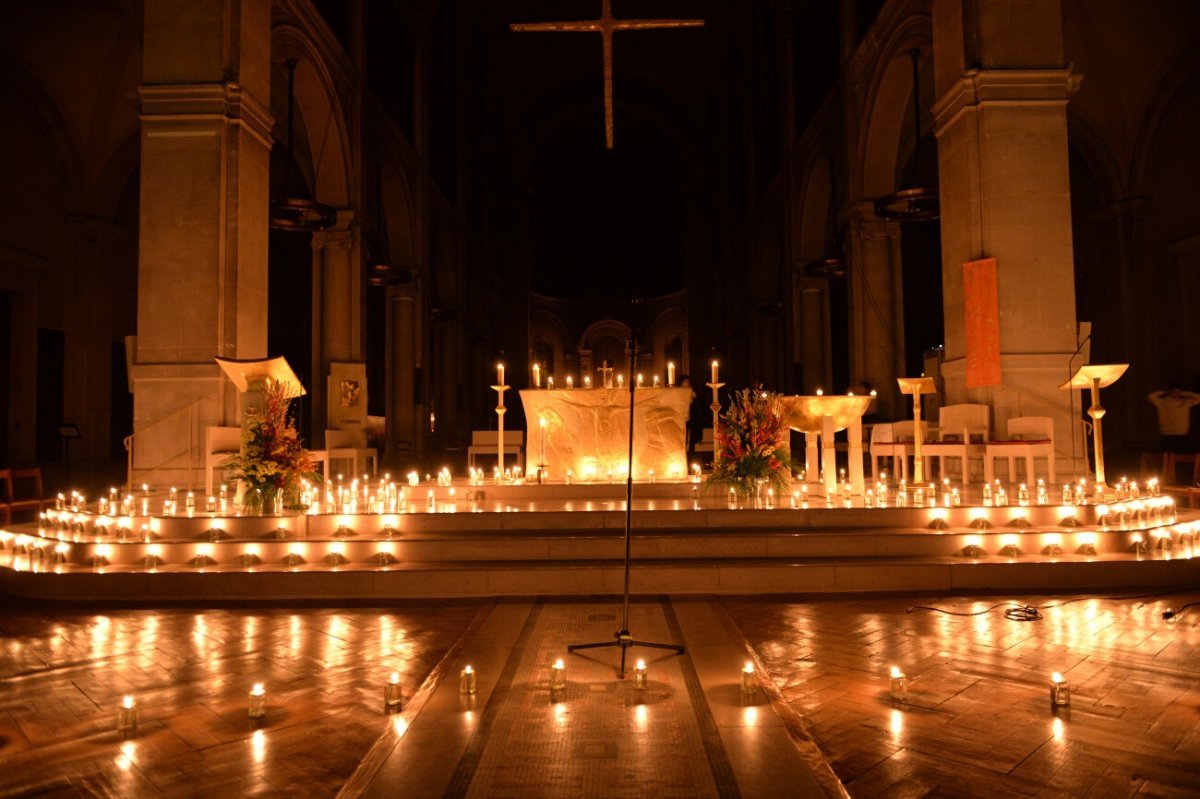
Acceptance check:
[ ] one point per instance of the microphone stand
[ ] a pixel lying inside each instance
(623, 638)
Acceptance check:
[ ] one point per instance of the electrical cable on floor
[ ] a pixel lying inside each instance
(1018, 611)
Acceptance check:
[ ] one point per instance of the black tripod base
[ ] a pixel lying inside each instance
(625, 640)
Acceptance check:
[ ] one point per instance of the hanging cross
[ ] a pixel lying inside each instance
(606, 25)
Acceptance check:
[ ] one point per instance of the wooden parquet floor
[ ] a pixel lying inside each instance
(978, 721)
(63, 673)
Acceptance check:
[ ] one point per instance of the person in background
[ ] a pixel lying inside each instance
(1174, 408)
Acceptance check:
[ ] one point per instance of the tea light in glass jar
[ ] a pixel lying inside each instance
(558, 675)
(393, 699)
(639, 676)
(466, 680)
(749, 684)
(899, 684)
(258, 701)
(1060, 690)
(127, 717)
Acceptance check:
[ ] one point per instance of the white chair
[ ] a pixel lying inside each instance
(487, 442)
(962, 433)
(1028, 437)
(895, 440)
(705, 444)
(339, 446)
(219, 444)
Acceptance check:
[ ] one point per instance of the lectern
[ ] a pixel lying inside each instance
(916, 386)
(250, 376)
(1096, 376)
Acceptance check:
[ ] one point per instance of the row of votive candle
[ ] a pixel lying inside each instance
(607, 382)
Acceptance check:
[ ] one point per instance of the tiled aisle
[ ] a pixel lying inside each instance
(63, 673)
(977, 721)
(692, 733)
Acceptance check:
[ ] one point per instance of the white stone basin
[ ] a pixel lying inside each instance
(805, 413)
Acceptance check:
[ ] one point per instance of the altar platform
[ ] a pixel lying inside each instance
(518, 540)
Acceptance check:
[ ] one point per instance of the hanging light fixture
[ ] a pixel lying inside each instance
(295, 211)
(915, 204)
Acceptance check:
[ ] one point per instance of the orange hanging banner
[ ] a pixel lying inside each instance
(981, 307)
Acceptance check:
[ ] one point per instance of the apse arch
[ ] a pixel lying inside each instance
(1174, 79)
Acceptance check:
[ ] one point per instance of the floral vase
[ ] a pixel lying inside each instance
(252, 502)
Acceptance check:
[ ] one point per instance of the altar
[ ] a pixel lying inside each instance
(584, 433)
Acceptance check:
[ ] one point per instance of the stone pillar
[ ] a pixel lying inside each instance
(1002, 85)
(202, 246)
(402, 428)
(88, 325)
(876, 292)
(337, 291)
(811, 345)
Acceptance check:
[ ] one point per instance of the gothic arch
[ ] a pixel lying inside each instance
(817, 199)
(889, 101)
(605, 328)
(1095, 150)
(671, 323)
(547, 329)
(319, 111)
(1180, 73)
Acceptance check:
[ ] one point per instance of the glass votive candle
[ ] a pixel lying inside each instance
(1060, 690)
(127, 717)
(749, 684)
(558, 675)
(466, 680)
(258, 701)
(393, 699)
(899, 684)
(640, 681)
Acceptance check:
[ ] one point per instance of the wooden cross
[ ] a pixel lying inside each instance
(606, 25)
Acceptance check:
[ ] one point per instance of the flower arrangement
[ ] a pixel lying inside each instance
(273, 462)
(752, 445)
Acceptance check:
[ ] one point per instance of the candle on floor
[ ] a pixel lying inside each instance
(1060, 690)
(749, 684)
(127, 717)
(258, 701)
(899, 684)
(393, 699)
(639, 676)
(466, 680)
(558, 675)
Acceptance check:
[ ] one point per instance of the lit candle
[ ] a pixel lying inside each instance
(899, 684)
(714, 371)
(558, 675)
(656, 381)
(1060, 690)
(639, 676)
(620, 380)
(127, 717)
(749, 685)
(537, 375)
(466, 680)
(550, 382)
(570, 382)
(258, 701)
(670, 373)
(393, 700)
(587, 381)
(639, 380)
(499, 374)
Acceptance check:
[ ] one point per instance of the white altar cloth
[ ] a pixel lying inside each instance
(587, 432)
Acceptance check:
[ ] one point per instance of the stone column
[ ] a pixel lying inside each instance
(811, 343)
(202, 246)
(88, 325)
(876, 293)
(1002, 85)
(337, 310)
(402, 429)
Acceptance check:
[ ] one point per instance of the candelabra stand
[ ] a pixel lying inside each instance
(500, 410)
(716, 411)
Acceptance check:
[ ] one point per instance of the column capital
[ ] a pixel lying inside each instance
(863, 222)
(978, 88)
(342, 235)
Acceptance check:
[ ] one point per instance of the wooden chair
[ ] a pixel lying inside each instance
(219, 444)
(1028, 437)
(24, 488)
(962, 433)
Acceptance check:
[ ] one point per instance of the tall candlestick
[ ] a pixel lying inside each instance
(500, 411)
